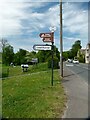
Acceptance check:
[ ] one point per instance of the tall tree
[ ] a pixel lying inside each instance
(7, 52)
(75, 47)
(7, 55)
(44, 55)
(3, 44)
(19, 57)
(30, 55)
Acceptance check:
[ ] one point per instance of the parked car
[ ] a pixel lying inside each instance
(69, 60)
(76, 61)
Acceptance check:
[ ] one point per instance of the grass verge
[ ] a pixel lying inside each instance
(32, 96)
(9, 71)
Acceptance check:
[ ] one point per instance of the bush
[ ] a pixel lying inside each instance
(5, 72)
(81, 59)
(55, 62)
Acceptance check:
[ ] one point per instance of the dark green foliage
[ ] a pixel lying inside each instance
(73, 51)
(7, 52)
(66, 54)
(7, 55)
(19, 57)
(44, 55)
(23, 56)
(55, 62)
(5, 72)
(81, 59)
(41, 55)
(75, 47)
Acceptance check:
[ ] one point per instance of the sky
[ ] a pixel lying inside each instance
(22, 21)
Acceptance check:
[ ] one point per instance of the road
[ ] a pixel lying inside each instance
(75, 82)
(82, 70)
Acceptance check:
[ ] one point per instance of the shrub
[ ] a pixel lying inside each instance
(5, 72)
(55, 62)
(81, 59)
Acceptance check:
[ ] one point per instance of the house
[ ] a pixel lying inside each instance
(87, 53)
(81, 52)
(84, 54)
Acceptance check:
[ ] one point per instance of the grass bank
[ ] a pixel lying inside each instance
(32, 96)
(8, 71)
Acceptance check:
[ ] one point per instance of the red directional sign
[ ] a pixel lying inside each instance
(47, 37)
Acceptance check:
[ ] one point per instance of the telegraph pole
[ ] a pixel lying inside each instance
(61, 43)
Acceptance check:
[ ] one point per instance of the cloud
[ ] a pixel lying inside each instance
(26, 43)
(26, 18)
(75, 19)
(10, 14)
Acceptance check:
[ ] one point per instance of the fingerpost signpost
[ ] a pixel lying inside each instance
(47, 37)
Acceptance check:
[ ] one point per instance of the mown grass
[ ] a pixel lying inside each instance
(4, 71)
(32, 96)
(0, 70)
(8, 71)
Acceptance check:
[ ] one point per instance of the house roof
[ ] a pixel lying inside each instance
(82, 50)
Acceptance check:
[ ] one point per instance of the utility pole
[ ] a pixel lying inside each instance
(61, 43)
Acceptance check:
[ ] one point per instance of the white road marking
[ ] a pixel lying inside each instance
(69, 64)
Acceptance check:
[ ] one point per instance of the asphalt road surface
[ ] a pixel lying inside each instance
(82, 70)
(75, 82)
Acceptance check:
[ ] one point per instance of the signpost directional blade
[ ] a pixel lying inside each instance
(45, 35)
(47, 39)
(41, 47)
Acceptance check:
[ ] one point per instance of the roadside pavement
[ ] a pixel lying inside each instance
(77, 93)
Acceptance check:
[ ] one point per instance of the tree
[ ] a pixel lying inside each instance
(19, 57)
(75, 47)
(66, 54)
(7, 54)
(30, 55)
(55, 62)
(44, 55)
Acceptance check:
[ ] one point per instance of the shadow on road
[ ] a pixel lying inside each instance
(68, 75)
(75, 73)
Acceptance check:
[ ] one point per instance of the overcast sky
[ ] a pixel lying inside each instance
(22, 21)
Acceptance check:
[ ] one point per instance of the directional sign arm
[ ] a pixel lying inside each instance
(42, 47)
(44, 35)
